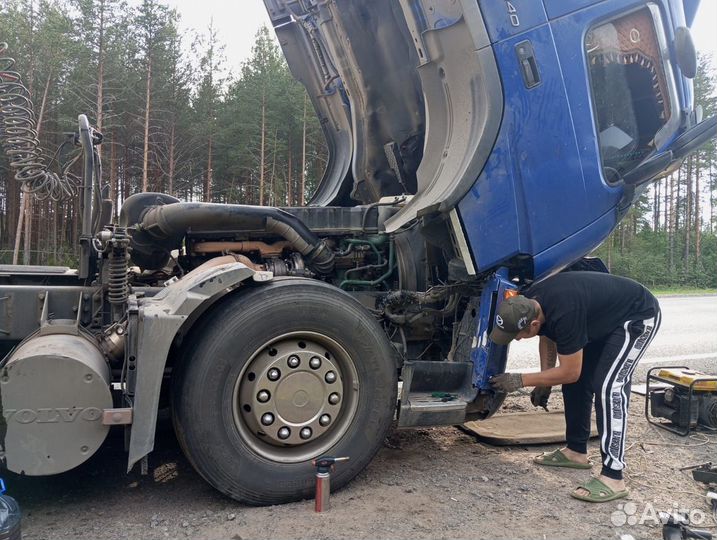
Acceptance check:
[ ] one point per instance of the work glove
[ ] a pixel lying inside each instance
(540, 395)
(506, 382)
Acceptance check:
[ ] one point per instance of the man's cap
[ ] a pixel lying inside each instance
(514, 314)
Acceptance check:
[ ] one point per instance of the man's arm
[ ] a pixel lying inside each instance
(540, 395)
(548, 353)
(567, 372)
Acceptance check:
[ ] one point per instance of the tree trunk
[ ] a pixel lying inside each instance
(288, 179)
(712, 217)
(272, 197)
(656, 207)
(263, 144)
(126, 189)
(25, 216)
(113, 177)
(671, 224)
(208, 186)
(303, 158)
(100, 72)
(145, 155)
(170, 180)
(55, 229)
(698, 219)
(666, 203)
(20, 220)
(688, 212)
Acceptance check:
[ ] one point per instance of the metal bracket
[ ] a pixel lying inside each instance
(160, 318)
(117, 417)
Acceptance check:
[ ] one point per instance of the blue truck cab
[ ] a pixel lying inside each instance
(530, 126)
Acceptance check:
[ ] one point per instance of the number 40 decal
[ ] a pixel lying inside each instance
(513, 14)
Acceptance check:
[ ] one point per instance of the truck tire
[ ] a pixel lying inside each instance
(276, 376)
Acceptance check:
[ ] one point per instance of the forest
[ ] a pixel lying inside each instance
(176, 119)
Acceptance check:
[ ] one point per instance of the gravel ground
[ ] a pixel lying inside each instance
(425, 483)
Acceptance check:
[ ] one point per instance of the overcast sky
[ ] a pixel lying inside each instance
(237, 22)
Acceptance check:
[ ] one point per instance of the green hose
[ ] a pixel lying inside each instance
(381, 279)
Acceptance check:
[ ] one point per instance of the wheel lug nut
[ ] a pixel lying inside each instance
(334, 398)
(330, 377)
(274, 374)
(263, 396)
(315, 362)
(305, 433)
(324, 420)
(284, 433)
(293, 361)
(267, 419)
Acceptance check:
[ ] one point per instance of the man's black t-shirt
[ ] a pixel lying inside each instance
(584, 307)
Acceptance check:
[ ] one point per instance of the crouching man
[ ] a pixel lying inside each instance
(598, 326)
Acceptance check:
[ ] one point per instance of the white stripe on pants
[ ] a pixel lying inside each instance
(613, 392)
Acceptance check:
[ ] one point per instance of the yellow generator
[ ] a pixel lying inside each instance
(685, 397)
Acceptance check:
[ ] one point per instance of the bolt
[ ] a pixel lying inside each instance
(274, 374)
(88, 377)
(284, 433)
(263, 396)
(325, 420)
(334, 398)
(84, 449)
(267, 419)
(315, 362)
(293, 361)
(330, 377)
(305, 433)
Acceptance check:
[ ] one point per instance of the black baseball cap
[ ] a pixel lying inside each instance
(514, 314)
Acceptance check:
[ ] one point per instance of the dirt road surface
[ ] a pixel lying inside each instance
(424, 483)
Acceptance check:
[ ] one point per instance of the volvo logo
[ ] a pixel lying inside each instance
(52, 415)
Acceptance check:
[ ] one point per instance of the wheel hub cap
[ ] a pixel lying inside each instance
(292, 392)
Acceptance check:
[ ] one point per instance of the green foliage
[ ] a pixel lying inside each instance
(646, 260)
(669, 236)
(202, 127)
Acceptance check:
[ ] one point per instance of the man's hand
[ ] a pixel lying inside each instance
(507, 382)
(540, 395)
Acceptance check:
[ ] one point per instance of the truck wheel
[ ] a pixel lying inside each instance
(279, 375)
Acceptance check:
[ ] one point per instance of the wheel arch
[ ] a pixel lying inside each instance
(157, 323)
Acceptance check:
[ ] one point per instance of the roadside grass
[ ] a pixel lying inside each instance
(682, 291)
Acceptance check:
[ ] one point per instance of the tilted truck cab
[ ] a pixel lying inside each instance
(474, 147)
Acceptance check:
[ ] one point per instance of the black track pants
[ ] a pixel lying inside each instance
(607, 372)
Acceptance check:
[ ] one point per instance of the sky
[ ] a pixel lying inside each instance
(237, 22)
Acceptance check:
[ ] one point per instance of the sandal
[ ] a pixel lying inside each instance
(598, 492)
(558, 459)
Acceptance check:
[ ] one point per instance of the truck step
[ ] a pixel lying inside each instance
(435, 393)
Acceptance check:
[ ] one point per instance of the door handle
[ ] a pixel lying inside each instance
(528, 64)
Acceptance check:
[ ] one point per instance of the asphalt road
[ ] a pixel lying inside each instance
(687, 336)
